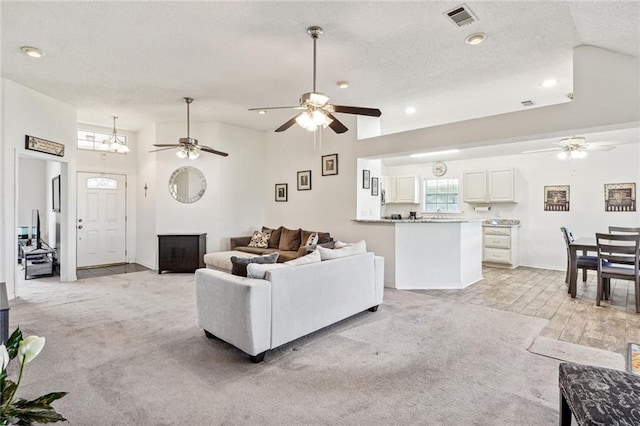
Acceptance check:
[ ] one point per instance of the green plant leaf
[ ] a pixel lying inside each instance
(9, 387)
(37, 415)
(44, 400)
(13, 343)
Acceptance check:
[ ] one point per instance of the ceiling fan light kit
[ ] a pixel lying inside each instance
(318, 113)
(188, 147)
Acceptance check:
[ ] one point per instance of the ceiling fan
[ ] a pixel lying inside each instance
(575, 147)
(188, 146)
(315, 105)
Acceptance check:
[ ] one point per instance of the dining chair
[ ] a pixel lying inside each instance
(623, 229)
(618, 258)
(584, 262)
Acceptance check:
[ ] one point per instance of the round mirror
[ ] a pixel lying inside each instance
(187, 184)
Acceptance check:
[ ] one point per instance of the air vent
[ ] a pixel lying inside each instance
(461, 15)
(527, 103)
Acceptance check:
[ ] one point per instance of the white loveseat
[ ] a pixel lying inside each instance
(256, 315)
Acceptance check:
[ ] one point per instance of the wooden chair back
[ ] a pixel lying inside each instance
(619, 250)
(623, 229)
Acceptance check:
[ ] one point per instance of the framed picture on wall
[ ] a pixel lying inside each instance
(304, 180)
(374, 186)
(55, 191)
(556, 198)
(281, 191)
(330, 165)
(620, 197)
(366, 179)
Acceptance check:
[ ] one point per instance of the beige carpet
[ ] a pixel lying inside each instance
(128, 350)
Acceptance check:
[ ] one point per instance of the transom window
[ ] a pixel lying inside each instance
(441, 194)
(96, 141)
(102, 183)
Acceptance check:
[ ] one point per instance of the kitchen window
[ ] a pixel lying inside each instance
(441, 195)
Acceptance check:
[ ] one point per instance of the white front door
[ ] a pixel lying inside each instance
(101, 219)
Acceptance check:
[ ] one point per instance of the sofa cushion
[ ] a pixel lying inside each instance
(312, 257)
(260, 239)
(324, 237)
(289, 239)
(259, 270)
(221, 260)
(349, 250)
(274, 241)
(256, 250)
(239, 264)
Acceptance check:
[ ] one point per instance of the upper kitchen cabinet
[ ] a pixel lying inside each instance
(402, 189)
(489, 186)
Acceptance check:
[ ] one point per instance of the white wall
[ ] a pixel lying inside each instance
(368, 205)
(145, 218)
(33, 189)
(26, 112)
(114, 163)
(541, 244)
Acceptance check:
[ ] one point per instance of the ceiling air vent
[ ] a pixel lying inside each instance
(461, 15)
(527, 103)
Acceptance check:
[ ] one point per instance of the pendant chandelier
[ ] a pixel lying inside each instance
(115, 143)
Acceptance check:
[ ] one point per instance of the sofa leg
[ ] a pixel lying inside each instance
(565, 411)
(257, 358)
(209, 335)
(373, 308)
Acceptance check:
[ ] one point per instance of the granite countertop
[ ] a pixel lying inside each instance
(504, 223)
(423, 220)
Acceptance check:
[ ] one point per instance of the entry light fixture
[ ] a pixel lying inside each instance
(115, 143)
(428, 154)
(34, 52)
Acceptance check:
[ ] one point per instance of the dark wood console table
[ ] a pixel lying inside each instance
(181, 252)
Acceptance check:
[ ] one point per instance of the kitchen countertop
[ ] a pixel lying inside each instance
(501, 223)
(424, 220)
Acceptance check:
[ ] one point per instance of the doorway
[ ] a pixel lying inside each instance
(101, 220)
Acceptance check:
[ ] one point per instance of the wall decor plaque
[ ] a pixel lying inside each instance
(42, 145)
(620, 197)
(556, 198)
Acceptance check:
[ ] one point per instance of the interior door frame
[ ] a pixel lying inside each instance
(126, 210)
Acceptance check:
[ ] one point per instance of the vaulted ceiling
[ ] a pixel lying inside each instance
(138, 59)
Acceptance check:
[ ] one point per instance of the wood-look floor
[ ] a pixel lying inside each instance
(543, 293)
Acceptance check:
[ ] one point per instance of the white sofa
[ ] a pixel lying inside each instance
(256, 315)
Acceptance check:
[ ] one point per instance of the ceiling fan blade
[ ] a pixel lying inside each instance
(372, 112)
(286, 125)
(164, 149)
(165, 144)
(592, 147)
(336, 125)
(213, 151)
(282, 107)
(541, 150)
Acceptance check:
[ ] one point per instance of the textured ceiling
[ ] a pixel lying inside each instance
(138, 59)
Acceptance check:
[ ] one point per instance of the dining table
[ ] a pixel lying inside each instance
(585, 244)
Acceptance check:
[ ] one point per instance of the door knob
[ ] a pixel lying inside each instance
(80, 227)
(79, 220)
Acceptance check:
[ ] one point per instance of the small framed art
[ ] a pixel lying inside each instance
(330, 165)
(366, 179)
(304, 180)
(620, 197)
(282, 191)
(556, 198)
(374, 186)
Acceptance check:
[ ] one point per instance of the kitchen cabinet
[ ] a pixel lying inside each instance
(401, 189)
(500, 246)
(489, 186)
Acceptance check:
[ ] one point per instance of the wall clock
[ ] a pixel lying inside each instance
(439, 168)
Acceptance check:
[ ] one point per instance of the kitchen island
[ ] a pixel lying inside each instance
(433, 253)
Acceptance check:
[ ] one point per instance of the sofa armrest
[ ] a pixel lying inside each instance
(238, 242)
(235, 309)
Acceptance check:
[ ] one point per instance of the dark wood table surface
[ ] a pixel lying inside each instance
(586, 244)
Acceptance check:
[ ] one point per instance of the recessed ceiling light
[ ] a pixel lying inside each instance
(34, 52)
(475, 38)
(262, 111)
(427, 154)
(549, 82)
(343, 84)
(410, 110)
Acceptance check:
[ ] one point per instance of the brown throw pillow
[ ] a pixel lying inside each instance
(289, 239)
(239, 264)
(274, 241)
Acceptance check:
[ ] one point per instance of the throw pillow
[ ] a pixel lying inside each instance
(323, 237)
(274, 241)
(312, 239)
(259, 270)
(340, 244)
(239, 264)
(312, 257)
(357, 248)
(260, 239)
(289, 239)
